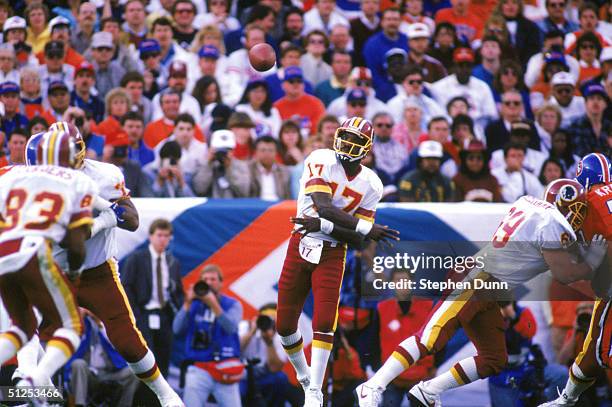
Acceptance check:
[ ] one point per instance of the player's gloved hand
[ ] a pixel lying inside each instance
(106, 219)
(119, 211)
(308, 224)
(596, 251)
(382, 233)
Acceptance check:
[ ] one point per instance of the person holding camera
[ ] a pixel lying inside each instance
(222, 176)
(209, 322)
(261, 346)
(166, 174)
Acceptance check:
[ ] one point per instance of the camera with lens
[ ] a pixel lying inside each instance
(264, 323)
(201, 340)
(201, 288)
(221, 155)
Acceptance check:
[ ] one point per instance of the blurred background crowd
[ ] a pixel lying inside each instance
(478, 100)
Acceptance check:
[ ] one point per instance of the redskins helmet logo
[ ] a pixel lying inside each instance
(579, 168)
(568, 193)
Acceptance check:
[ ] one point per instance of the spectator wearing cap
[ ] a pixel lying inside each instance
(490, 54)
(183, 15)
(58, 96)
(555, 62)
(296, 104)
(133, 82)
(60, 31)
(269, 179)
(356, 104)
(366, 24)
(222, 176)
(551, 50)
(426, 183)
(588, 19)
(563, 96)
(315, 69)
(290, 56)
(462, 83)
(134, 25)
(395, 61)
(108, 72)
(133, 125)
(418, 41)
(31, 97)
(468, 25)
(376, 48)
(86, 20)
(523, 133)
(556, 20)
(170, 51)
(474, 181)
(257, 103)
(239, 70)
(513, 179)
(83, 94)
(591, 131)
(323, 16)
(149, 53)
(212, 63)
(14, 30)
(412, 87)
(8, 73)
(177, 81)
(391, 156)
(123, 53)
(37, 15)
(136, 180)
(11, 119)
(361, 78)
(497, 132)
(335, 86)
(160, 129)
(524, 34)
(55, 67)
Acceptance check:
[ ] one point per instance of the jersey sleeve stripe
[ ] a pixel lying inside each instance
(366, 218)
(317, 185)
(365, 212)
(79, 219)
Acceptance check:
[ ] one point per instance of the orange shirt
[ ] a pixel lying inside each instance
(306, 111)
(469, 26)
(72, 57)
(159, 130)
(482, 8)
(110, 128)
(588, 72)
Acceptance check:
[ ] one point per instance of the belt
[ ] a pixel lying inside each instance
(10, 247)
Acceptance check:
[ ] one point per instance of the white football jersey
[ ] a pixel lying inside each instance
(111, 184)
(515, 252)
(40, 203)
(357, 196)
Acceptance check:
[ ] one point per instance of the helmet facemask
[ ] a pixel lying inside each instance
(351, 145)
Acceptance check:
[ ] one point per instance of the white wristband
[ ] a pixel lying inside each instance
(101, 203)
(326, 226)
(364, 227)
(105, 220)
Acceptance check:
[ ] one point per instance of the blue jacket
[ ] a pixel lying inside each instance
(374, 52)
(276, 89)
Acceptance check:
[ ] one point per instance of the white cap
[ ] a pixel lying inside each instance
(430, 149)
(13, 23)
(102, 39)
(606, 53)
(563, 78)
(223, 140)
(59, 20)
(418, 30)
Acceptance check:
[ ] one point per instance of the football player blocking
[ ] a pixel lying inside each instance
(550, 227)
(336, 205)
(593, 173)
(100, 290)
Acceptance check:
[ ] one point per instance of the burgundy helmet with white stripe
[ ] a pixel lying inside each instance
(569, 196)
(57, 147)
(353, 139)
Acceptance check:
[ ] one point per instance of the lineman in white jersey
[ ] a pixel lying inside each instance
(99, 289)
(41, 206)
(534, 236)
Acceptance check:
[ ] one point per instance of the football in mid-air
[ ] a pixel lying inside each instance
(262, 57)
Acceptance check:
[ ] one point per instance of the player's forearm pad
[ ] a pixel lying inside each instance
(326, 226)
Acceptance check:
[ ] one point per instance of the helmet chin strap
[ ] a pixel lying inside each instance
(346, 158)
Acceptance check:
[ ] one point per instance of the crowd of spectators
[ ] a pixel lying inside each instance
(471, 100)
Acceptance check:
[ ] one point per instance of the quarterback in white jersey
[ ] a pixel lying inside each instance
(336, 205)
(40, 206)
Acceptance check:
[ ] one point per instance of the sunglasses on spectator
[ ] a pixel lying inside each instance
(294, 81)
(357, 104)
(364, 83)
(564, 91)
(384, 125)
(556, 5)
(105, 49)
(512, 102)
(474, 157)
(149, 55)
(415, 81)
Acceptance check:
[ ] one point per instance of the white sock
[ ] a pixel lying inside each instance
(294, 348)
(147, 371)
(577, 383)
(405, 355)
(28, 357)
(462, 373)
(322, 344)
(10, 342)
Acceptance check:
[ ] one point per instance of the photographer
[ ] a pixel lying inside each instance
(209, 321)
(222, 176)
(167, 176)
(260, 342)
(528, 379)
